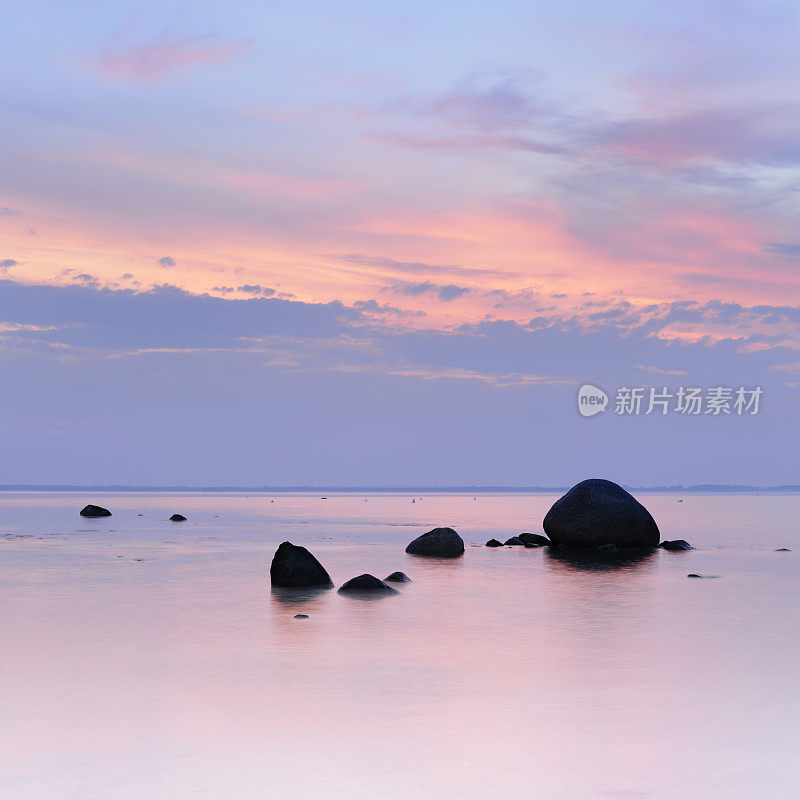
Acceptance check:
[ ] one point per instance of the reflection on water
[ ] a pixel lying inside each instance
(147, 660)
(600, 560)
(296, 596)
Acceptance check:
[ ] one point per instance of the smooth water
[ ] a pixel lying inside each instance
(149, 660)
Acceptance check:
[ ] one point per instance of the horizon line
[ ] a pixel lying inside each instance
(266, 489)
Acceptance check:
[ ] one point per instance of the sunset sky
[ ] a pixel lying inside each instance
(384, 243)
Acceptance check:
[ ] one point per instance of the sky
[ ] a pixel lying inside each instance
(385, 243)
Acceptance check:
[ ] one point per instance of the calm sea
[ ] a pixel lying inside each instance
(149, 660)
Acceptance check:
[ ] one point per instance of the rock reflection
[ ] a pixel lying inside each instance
(598, 561)
(296, 595)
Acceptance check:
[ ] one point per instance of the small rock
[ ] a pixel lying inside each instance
(301, 616)
(695, 575)
(606, 548)
(95, 511)
(783, 550)
(438, 543)
(494, 543)
(398, 577)
(534, 538)
(514, 540)
(533, 545)
(177, 518)
(366, 584)
(676, 544)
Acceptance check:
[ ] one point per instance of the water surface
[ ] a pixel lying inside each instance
(149, 659)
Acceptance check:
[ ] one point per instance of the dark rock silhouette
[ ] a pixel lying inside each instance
(301, 616)
(177, 518)
(695, 575)
(598, 512)
(494, 543)
(366, 584)
(532, 545)
(783, 550)
(95, 511)
(438, 543)
(514, 540)
(534, 538)
(676, 544)
(293, 565)
(398, 577)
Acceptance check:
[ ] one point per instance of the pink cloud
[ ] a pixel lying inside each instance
(156, 62)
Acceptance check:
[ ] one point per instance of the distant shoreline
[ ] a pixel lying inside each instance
(697, 488)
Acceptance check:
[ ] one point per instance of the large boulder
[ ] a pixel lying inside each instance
(514, 540)
(293, 565)
(597, 512)
(95, 511)
(438, 543)
(366, 584)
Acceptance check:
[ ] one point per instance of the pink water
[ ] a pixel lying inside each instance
(144, 659)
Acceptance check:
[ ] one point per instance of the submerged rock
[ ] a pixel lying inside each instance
(695, 575)
(95, 511)
(293, 565)
(301, 616)
(534, 538)
(177, 518)
(514, 540)
(494, 543)
(438, 543)
(783, 550)
(676, 544)
(398, 577)
(366, 584)
(533, 545)
(598, 512)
